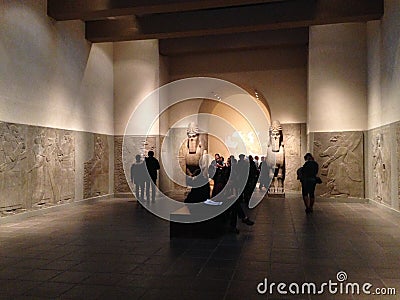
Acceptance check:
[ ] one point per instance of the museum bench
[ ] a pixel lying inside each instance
(184, 228)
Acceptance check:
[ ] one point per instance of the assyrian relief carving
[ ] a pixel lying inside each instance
(120, 183)
(13, 164)
(397, 130)
(52, 175)
(340, 157)
(177, 142)
(293, 155)
(96, 170)
(379, 167)
(36, 167)
(133, 145)
(380, 164)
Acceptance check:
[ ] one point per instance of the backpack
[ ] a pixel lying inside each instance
(299, 173)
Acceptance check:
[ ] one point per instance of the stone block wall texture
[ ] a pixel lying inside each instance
(174, 143)
(340, 156)
(397, 128)
(125, 150)
(40, 167)
(120, 183)
(294, 139)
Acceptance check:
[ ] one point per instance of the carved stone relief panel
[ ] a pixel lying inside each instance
(52, 175)
(293, 155)
(178, 148)
(96, 169)
(13, 166)
(340, 157)
(125, 157)
(37, 166)
(120, 183)
(397, 130)
(380, 157)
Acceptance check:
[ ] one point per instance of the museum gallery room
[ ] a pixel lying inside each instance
(112, 113)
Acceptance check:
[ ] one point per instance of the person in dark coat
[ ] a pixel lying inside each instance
(153, 166)
(308, 178)
(263, 170)
(251, 180)
(200, 190)
(138, 175)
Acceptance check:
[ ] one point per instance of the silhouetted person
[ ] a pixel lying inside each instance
(236, 211)
(153, 166)
(263, 178)
(251, 180)
(308, 178)
(138, 175)
(219, 176)
(200, 191)
(242, 171)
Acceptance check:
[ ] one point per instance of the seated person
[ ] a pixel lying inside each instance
(236, 210)
(200, 191)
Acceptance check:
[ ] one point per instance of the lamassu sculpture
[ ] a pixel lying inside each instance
(277, 147)
(194, 150)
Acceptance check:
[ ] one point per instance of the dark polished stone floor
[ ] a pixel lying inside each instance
(113, 249)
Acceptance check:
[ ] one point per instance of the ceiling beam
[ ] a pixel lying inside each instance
(62, 10)
(234, 42)
(261, 17)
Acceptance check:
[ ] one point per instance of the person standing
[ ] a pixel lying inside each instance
(257, 163)
(263, 173)
(308, 178)
(219, 177)
(138, 175)
(153, 166)
(251, 180)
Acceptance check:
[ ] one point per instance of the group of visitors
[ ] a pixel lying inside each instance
(256, 171)
(228, 178)
(144, 176)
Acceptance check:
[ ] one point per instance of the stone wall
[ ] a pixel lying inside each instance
(397, 128)
(126, 148)
(42, 167)
(294, 139)
(120, 183)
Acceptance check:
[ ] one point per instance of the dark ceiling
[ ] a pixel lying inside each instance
(186, 26)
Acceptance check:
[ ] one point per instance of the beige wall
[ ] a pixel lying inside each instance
(55, 81)
(391, 62)
(374, 74)
(337, 89)
(280, 74)
(384, 67)
(50, 75)
(136, 74)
